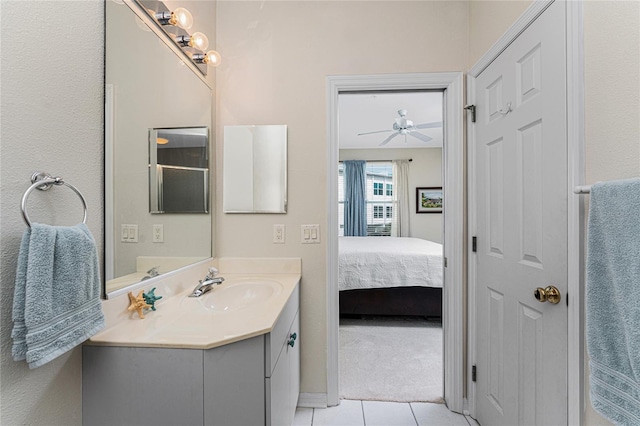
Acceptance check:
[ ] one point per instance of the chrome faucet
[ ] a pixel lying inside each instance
(207, 284)
(153, 272)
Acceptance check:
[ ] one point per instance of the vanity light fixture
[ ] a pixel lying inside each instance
(211, 58)
(197, 40)
(172, 25)
(179, 17)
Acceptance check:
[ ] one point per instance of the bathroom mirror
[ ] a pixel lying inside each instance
(179, 170)
(255, 169)
(147, 86)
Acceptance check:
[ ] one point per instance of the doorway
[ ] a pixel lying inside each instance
(390, 245)
(453, 181)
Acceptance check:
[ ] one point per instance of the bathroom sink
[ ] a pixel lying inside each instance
(235, 295)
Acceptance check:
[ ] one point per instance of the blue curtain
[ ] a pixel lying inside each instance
(355, 206)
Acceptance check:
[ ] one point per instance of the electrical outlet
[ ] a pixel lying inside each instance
(158, 233)
(278, 234)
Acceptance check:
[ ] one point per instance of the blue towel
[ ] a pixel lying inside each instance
(56, 304)
(613, 300)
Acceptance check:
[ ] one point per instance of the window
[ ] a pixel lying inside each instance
(379, 202)
(377, 212)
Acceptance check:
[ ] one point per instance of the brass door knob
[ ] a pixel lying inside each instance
(550, 294)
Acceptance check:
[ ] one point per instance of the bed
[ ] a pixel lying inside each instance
(390, 276)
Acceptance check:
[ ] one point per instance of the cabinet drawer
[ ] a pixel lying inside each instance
(275, 341)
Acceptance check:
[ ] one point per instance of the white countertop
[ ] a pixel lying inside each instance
(184, 322)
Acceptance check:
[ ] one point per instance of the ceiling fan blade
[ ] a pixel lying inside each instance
(386, 141)
(378, 131)
(423, 138)
(428, 125)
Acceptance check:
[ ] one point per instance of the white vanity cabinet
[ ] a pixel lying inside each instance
(253, 381)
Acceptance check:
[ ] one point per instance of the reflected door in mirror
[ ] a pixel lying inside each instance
(179, 170)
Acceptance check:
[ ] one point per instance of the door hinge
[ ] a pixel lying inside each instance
(471, 108)
(473, 373)
(474, 244)
(445, 262)
(567, 299)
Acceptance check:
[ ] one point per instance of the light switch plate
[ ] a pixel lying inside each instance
(129, 233)
(310, 234)
(278, 234)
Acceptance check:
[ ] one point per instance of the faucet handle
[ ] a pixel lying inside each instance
(213, 271)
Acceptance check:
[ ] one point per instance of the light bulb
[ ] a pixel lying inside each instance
(182, 18)
(196, 40)
(162, 141)
(140, 23)
(212, 58)
(199, 41)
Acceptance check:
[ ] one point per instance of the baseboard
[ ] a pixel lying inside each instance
(312, 400)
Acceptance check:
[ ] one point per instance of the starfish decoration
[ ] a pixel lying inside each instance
(151, 298)
(137, 303)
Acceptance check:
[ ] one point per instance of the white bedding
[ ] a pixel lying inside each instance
(379, 262)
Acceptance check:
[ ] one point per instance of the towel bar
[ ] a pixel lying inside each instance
(582, 189)
(43, 181)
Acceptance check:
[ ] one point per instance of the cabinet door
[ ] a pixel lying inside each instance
(141, 386)
(283, 387)
(277, 391)
(294, 368)
(234, 384)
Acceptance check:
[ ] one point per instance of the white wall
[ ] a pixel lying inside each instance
(276, 58)
(51, 111)
(424, 171)
(488, 20)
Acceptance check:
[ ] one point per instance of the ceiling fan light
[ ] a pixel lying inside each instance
(402, 126)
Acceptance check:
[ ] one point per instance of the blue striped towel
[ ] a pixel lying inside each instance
(613, 300)
(56, 303)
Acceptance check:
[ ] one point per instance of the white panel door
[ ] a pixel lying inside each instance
(521, 177)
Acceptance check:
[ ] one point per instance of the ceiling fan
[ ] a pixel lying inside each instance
(405, 127)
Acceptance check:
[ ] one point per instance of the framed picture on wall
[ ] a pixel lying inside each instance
(429, 199)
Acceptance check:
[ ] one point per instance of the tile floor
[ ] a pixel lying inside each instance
(377, 413)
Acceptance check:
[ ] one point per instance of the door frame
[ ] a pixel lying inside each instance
(575, 203)
(454, 238)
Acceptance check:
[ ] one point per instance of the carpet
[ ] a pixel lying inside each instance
(391, 359)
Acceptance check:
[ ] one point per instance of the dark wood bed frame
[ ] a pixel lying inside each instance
(421, 301)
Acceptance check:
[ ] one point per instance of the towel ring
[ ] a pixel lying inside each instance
(44, 181)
